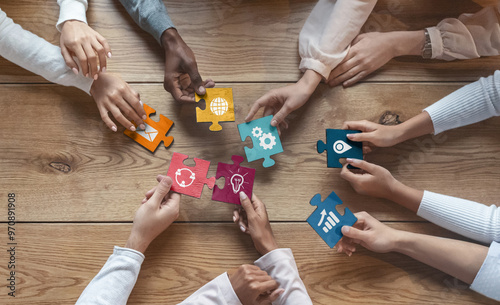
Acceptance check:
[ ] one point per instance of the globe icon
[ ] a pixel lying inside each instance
(218, 106)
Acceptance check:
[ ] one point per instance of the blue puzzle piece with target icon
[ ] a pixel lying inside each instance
(265, 139)
(327, 221)
(338, 146)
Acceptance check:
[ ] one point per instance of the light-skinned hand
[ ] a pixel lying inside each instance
(182, 78)
(370, 233)
(154, 216)
(254, 286)
(253, 220)
(372, 180)
(80, 40)
(282, 101)
(114, 95)
(373, 134)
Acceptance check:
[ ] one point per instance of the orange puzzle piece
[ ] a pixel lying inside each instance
(154, 133)
(219, 107)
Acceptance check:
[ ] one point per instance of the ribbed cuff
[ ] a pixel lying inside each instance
(134, 254)
(71, 10)
(436, 42)
(487, 279)
(273, 257)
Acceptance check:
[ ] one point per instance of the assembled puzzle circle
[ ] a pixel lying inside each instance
(218, 106)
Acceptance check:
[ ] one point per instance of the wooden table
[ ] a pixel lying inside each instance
(77, 184)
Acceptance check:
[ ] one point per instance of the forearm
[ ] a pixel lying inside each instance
(415, 127)
(328, 31)
(114, 283)
(407, 42)
(310, 80)
(405, 196)
(150, 15)
(457, 258)
(37, 55)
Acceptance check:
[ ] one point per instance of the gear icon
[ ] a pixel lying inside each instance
(270, 137)
(257, 132)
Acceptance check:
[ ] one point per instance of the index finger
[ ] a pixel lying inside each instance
(261, 102)
(247, 205)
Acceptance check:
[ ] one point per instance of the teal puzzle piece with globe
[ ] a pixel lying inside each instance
(265, 139)
(219, 107)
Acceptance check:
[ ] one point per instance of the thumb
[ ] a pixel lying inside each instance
(280, 116)
(247, 205)
(196, 80)
(353, 233)
(161, 191)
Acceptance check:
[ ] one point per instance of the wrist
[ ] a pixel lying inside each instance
(310, 80)
(169, 36)
(267, 246)
(408, 42)
(137, 243)
(400, 241)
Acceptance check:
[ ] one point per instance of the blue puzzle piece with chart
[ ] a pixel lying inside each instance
(338, 146)
(265, 139)
(326, 221)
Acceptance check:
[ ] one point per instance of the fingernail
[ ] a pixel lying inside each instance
(142, 126)
(113, 128)
(274, 123)
(201, 89)
(144, 200)
(281, 292)
(234, 218)
(132, 128)
(345, 229)
(75, 71)
(87, 75)
(96, 76)
(141, 103)
(353, 161)
(349, 160)
(350, 136)
(104, 69)
(247, 118)
(242, 228)
(243, 196)
(109, 54)
(98, 67)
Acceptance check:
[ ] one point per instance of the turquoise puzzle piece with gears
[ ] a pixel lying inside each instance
(265, 139)
(327, 221)
(338, 146)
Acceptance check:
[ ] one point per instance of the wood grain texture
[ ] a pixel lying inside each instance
(65, 165)
(236, 40)
(56, 262)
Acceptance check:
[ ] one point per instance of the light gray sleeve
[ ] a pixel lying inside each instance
(487, 279)
(150, 15)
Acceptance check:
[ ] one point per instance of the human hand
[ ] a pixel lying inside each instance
(370, 233)
(80, 40)
(374, 180)
(254, 286)
(252, 218)
(154, 216)
(374, 134)
(282, 101)
(181, 79)
(112, 94)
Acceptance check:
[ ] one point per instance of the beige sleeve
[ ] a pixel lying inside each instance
(469, 36)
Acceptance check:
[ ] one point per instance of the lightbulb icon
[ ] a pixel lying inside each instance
(237, 181)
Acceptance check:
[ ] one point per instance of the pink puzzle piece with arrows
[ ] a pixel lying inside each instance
(189, 180)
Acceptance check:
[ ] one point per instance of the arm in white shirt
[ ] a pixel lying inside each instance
(470, 104)
(465, 217)
(71, 10)
(37, 55)
(329, 30)
(487, 279)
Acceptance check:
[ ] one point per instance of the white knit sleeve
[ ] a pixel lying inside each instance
(114, 283)
(465, 217)
(487, 281)
(37, 55)
(330, 28)
(470, 104)
(71, 10)
(280, 265)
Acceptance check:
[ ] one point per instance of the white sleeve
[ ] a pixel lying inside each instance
(465, 217)
(218, 291)
(487, 279)
(329, 30)
(114, 283)
(470, 104)
(280, 265)
(37, 55)
(71, 10)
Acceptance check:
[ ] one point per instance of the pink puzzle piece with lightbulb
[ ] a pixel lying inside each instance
(189, 180)
(238, 179)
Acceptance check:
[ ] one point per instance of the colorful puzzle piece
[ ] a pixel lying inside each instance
(326, 221)
(265, 138)
(238, 179)
(154, 133)
(339, 146)
(189, 180)
(219, 107)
